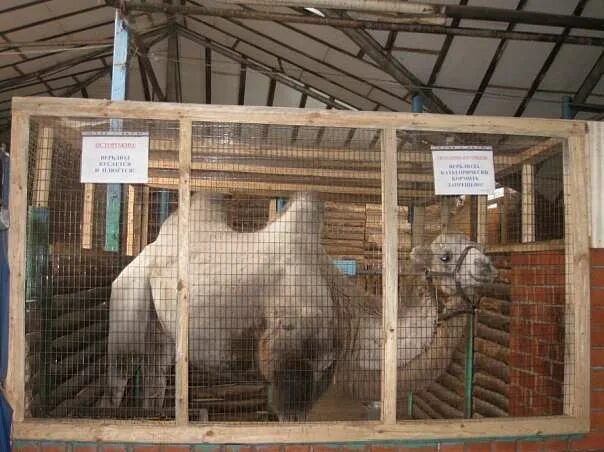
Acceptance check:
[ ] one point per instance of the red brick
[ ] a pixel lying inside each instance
(268, 448)
(529, 446)
(295, 448)
(322, 449)
(84, 447)
(146, 448)
(176, 448)
(597, 379)
(597, 297)
(383, 449)
(113, 448)
(452, 447)
(592, 440)
(597, 420)
(597, 337)
(555, 445)
(597, 256)
(597, 276)
(597, 317)
(478, 447)
(597, 399)
(521, 360)
(504, 446)
(597, 357)
(520, 259)
(53, 447)
(418, 449)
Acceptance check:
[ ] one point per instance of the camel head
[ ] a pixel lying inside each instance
(455, 265)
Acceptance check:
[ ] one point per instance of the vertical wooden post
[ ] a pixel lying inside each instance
(528, 203)
(145, 217)
(16, 256)
(481, 219)
(134, 215)
(577, 262)
(504, 211)
(444, 214)
(389, 274)
(182, 312)
(272, 209)
(43, 168)
(87, 214)
(596, 165)
(417, 227)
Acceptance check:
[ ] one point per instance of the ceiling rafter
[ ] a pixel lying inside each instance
(208, 74)
(59, 35)
(64, 91)
(396, 69)
(23, 57)
(435, 10)
(242, 81)
(52, 19)
(444, 51)
(373, 86)
(484, 83)
(52, 79)
(298, 65)
(23, 6)
(52, 69)
(338, 22)
(590, 82)
(64, 64)
(141, 49)
(548, 62)
(257, 66)
(144, 79)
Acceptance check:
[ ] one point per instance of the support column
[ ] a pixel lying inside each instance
(118, 92)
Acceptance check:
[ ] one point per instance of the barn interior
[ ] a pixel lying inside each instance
(488, 364)
(504, 354)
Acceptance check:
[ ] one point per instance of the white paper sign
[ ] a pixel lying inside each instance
(463, 170)
(111, 158)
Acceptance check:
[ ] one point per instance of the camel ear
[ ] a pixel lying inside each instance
(420, 258)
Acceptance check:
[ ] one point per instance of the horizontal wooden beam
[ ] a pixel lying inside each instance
(95, 108)
(238, 433)
(221, 184)
(381, 24)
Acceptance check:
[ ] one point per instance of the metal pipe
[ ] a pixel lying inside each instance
(118, 92)
(359, 23)
(381, 6)
(567, 108)
(587, 107)
(522, 17)
(469, 368)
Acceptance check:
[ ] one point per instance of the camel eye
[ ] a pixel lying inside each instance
(445, 257)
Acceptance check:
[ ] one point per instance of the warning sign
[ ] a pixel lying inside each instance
(110, 158)
(463, 170)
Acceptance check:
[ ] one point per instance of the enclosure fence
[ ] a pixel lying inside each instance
(291, 275)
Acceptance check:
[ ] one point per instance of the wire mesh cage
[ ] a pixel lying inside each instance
(287, 264)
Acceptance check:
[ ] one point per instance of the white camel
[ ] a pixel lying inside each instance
(272, 299)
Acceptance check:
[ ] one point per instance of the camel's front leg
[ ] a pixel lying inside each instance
(159, 357)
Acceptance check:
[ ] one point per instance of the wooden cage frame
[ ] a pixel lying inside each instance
(574, 134)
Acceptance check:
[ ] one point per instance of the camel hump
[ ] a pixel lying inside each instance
(303, 215)
(208, 213)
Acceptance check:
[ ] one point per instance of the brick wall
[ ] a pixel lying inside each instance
(537, 334)
(593, 441)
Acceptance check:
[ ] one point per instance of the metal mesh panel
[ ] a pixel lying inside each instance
(285, 278)
(485, 334)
